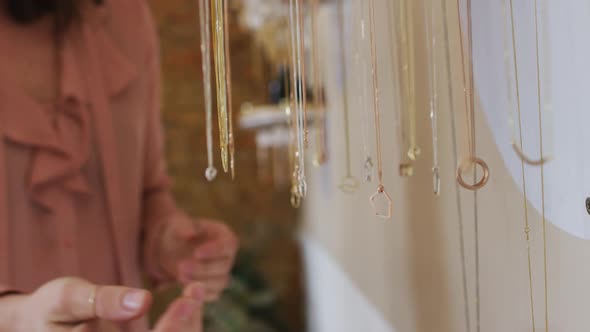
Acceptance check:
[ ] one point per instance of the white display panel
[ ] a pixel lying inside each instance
(564, 71)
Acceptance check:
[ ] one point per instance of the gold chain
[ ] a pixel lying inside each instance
(299, 100)
(408, 67)
(376, 109)
(401, 84)
(228, 87)
(469, 96)
(205, 26)
(524, 160)
(220, 79)
(318, 91)
(348, 183)
(458, 200)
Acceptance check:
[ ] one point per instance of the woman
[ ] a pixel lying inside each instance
(83, 186)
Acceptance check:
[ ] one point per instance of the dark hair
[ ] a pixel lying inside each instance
(28, 11)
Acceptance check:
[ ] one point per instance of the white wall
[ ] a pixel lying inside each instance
(407, 271)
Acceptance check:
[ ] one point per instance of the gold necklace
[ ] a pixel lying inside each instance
(431, 47)
(361, 86)
(401, 94)
(298, 100)
(318, 91)
(469, 98)
(348, 183)
(459, 205)
(205, 21)
(407, 113)
(518, 150)
(219, 53)
(381, 193)
(525, 160)
(408, 68)
(228, 87)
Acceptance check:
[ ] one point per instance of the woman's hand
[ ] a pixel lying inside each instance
(75, 305)
(201, 252)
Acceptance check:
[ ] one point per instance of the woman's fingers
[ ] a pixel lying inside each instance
(213, 275)
(71, 300)
(116, 303)
(201, 270)
(183, 315)
(215, 287)
(195, 291)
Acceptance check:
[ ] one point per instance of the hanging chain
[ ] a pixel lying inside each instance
(362, 89)
(205, 27)
(381, 192)
(525, 160)
(220, 79)
(469, 97)
(431, 47)
(348, 183)
(459, 205)
(318, 91)
(228, 87)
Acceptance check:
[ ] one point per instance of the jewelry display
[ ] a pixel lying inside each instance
(518, 148)
(359, 37)
(431, 49)
(218, 14)
(468, 88)
(349, 183)
(381, 193)
(318, 91)
(205, 21)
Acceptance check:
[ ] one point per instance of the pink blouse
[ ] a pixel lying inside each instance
(83, 186)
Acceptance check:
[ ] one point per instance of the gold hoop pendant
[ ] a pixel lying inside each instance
(484, 179)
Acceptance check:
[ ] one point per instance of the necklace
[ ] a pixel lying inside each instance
(406, 168)
(298, 96)
(318, 91)
(431, 42)
(348, 184)
(291, 122)
(228, 87)
(381, 193)
(220, 79)
(210, 172)
(361, 86)
(459, 205)
(472, 159)
(518, 148)
(408, 68)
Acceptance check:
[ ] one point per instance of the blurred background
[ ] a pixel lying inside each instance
(453, 263)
